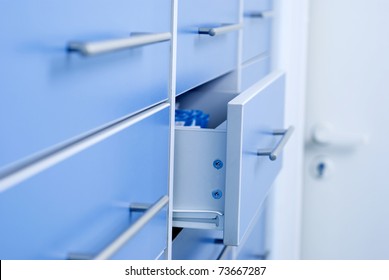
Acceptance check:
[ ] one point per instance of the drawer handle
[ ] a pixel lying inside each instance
(94, 48)
(30, 167)
(214, 31)
(267, 14)
(273, 154)
(215, 220)
(133, 229)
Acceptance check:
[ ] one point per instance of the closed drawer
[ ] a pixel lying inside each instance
(254, 246)
(49, 94)
(201, 57)
(254, 70)
(256, 35)
(81, 205)
(222, 175)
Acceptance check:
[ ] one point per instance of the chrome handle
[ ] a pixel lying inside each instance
(214, 31)
(94, 48)
(273, 154)
(215, 220)
(134, 229)
(30, 167)
(266, 14)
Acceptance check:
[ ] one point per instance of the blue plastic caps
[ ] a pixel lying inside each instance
(191, 118)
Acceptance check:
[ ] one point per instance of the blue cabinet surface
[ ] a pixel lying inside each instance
(81, 205)
(49, 95)
(202, 57)
(256, 36)
(253, 71)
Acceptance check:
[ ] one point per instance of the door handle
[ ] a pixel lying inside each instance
(99, 47)
(214, 31)
(274, 153)
(324, 134)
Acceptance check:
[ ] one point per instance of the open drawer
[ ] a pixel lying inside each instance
(223, 175)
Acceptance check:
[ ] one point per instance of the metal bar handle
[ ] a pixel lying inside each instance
(94, 48)
(134, 229)
(33, 166)
(215, 220)
(214, 31)
(265, 14)
(273, 154)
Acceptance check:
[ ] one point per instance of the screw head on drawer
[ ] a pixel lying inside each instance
(217, 194)
(218, 164)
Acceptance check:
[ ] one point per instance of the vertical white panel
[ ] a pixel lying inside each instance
(289, 54)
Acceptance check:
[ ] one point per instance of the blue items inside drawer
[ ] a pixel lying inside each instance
(191, 118)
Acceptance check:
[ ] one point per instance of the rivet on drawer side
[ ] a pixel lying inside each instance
(217, 194)
(218, 164)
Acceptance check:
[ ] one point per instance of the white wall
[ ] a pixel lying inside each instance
(284, 204)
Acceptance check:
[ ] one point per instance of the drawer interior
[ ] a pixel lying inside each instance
(200, 157)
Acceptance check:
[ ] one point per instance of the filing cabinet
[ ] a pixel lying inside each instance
(86, 151)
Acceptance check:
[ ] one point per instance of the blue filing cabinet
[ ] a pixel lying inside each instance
(87, 95)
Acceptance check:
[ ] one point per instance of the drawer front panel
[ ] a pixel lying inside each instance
(253, 116)
(201, 57)
(49, 95)
(256, 36)
(81, 205)
(254, 71)
(258, 5)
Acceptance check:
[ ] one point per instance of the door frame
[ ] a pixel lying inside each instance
(290, 49)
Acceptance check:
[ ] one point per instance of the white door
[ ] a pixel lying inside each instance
(346, 191)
